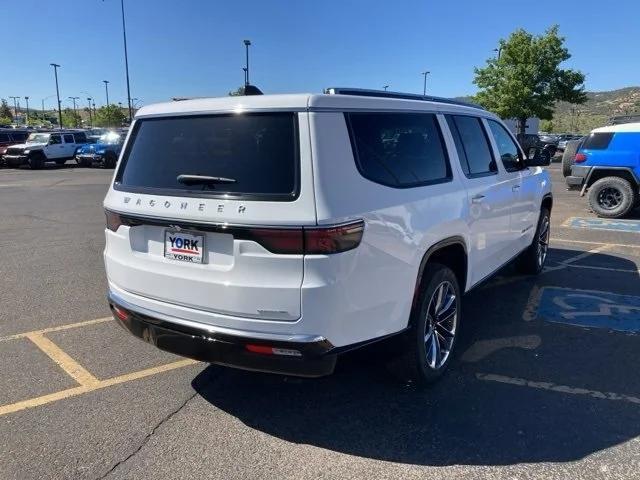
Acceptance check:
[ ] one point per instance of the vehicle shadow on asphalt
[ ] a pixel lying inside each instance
(365, 410)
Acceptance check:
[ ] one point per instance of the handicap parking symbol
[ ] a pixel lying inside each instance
(590, 309)
(604, 224)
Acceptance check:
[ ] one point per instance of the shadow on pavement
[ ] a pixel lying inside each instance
(365, 411)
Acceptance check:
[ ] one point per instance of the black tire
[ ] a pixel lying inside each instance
(81, 162)
(418, 361)
(612, 197)
(569, 155)
(531, 261)
(36, 160)
(61, 161)
(110, 160)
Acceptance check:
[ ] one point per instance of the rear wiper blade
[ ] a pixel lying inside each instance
(203, 180)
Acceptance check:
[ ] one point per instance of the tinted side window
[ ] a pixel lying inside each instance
(597, 141)
(399, 149)
(472, 145)
(80, 137)
(55, 139)
(69, 139)
(509, 152)
(19, 137)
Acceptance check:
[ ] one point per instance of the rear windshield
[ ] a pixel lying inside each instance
(255, 154)
(597, 141)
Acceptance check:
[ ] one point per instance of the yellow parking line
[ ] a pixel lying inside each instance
(72, 392)
(56, 329)
(64, 361)
(489, 377)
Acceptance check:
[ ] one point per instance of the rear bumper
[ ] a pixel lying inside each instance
(315, 357)
(578, 177)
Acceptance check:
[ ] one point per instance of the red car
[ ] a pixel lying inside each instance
(10, 136)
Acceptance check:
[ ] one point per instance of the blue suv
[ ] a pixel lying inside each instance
(104, 152)
(607, 165)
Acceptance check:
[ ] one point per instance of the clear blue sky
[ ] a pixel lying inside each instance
(194, 47)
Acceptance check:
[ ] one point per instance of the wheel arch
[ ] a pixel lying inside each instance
(451, 252)
(598, 173)
(547, 202)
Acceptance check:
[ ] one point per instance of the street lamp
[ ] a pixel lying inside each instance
(424, 85)
(15, 107)
(90, 117)
(75, 112)
(26, 99)
(244, 69)
(498, 51)
(385, 87)
(134, 102)
(106, 89)
(55, 72)
(246, 46)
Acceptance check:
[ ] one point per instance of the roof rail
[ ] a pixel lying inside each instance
(363, 92)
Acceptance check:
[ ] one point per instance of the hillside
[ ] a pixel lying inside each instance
(600, 106)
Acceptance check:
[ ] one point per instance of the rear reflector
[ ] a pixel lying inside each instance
(266, 350)
(580, 157)
(121, 313)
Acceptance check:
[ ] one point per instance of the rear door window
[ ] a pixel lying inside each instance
(399, 149)
(597, 141)
(80, 137)
(257, 154)
(68, 139)
(472, 145)
(55, 139)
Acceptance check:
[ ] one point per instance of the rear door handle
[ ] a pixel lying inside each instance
(515, 188)
(477, 198)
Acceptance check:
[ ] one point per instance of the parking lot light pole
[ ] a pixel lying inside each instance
(26, 99)
(246, 46)
(498, 51)
(385, 87)
(90, 117)
(75, 111)
(55, 72)
(106, 89)
(126, 59)
(15, 106)
(424, 85)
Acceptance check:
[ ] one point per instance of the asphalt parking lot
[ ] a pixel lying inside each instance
(545, 383)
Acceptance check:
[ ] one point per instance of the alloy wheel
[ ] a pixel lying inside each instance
(441, 325)
(543, 241)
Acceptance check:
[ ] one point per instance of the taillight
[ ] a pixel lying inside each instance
(334, 239)
(309, 241)
(580, 157)
(114, 220)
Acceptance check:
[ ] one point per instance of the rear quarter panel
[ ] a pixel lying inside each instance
(368, 292)
(623, 151)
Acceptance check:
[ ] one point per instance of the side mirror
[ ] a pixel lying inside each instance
(538, 157)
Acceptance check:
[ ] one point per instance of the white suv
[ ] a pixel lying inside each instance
(43, 147)
(274, 232)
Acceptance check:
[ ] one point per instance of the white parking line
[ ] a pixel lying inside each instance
(554, 387)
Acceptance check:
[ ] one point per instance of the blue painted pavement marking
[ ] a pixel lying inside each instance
(590, 309)
(604, 224)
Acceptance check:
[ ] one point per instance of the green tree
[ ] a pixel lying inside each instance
(546, 125)
(238, 92)
(109, 116)
(70, 118)
(5, 112)
(526, 79)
